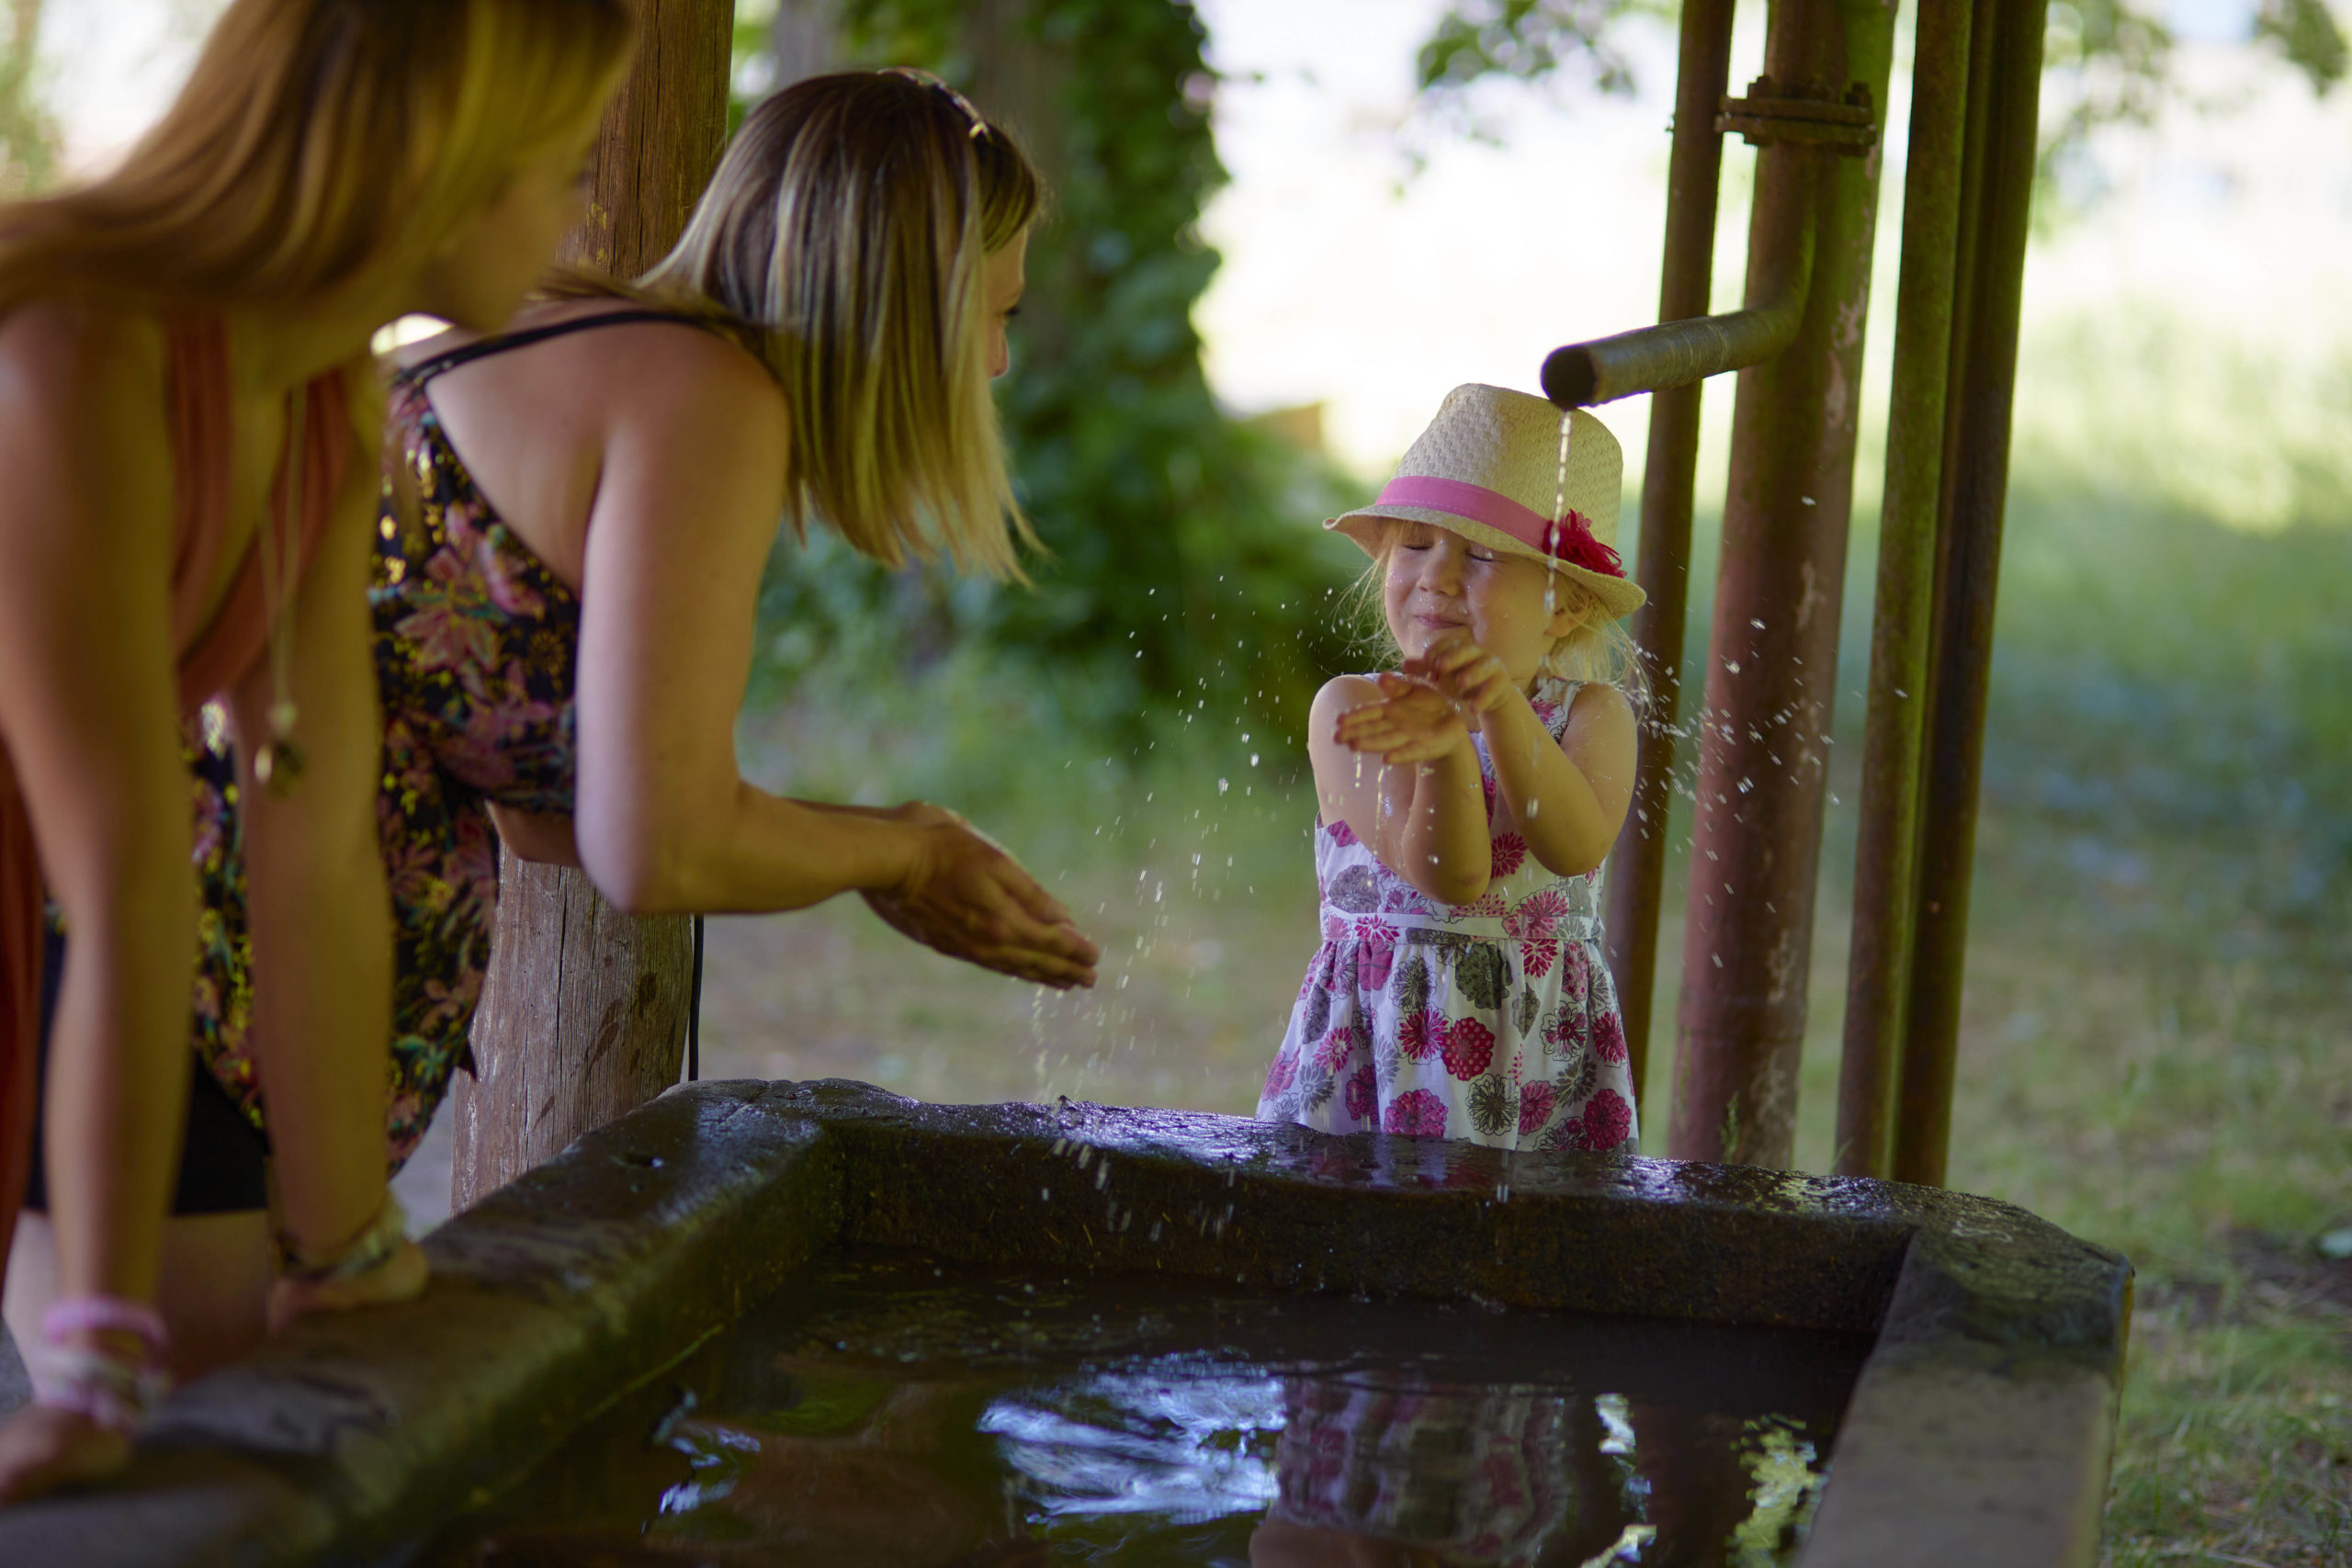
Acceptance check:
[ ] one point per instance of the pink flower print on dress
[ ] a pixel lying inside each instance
(1280, 1075)
(514, 597)
(443, 637)
(1607, 1119)
(1341, 834)
(1608, 1036)
(1469, 1048)
(1508, 853)
(1487, 785)
(1576, 976)
(460, 520)
(1375, 952)
(1363, 1095)
(1421, 1035)
(1566, 1032)
(1334, 927)
(1534, 1107)
(1415, 1113)
(1536, 916)
(1333, 1054)
(1534, 922)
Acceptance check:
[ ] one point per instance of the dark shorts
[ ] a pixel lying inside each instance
(221, 1162)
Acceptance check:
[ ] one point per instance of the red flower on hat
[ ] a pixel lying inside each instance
(1570, 539)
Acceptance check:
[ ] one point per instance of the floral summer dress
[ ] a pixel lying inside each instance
(477, 647)
(1495, 1021)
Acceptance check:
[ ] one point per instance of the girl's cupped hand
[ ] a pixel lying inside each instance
(1414, 721)
(1462, 670)
(968, 899)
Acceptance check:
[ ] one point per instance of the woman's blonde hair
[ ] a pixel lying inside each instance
(843, 237)
(314, 139)
(1599, 648)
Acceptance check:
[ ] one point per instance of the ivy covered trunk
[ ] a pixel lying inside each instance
(1186, 564)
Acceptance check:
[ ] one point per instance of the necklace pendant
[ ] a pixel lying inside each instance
(279, 765)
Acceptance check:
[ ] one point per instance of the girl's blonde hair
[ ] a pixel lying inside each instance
(1599, 649)
(313, 139)
(843, 238)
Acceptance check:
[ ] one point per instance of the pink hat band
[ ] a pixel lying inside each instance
(1569, 539)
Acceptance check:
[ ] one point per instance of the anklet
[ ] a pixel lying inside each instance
(367, 1252)
(113, 1390)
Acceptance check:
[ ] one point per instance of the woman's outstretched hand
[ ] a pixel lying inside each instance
(966, 898)
(1412, 722)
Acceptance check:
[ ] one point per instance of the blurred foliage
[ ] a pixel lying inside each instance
(2114, 56)
(1185, 565)
(1527, 39)
(28, 135)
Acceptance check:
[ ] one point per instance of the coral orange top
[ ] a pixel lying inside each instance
(212, 656)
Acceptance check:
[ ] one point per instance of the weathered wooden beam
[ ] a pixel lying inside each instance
(584, 1014)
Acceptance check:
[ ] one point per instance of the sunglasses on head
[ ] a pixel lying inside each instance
(916, 74)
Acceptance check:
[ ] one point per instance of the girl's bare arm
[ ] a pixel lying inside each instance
(685, 511)
(1567, 799)
(1393, 761)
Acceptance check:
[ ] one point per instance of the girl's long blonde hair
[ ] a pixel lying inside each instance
(843, 238)
(313, 139)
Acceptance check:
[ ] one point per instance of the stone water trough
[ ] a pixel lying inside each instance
(1978, 1432)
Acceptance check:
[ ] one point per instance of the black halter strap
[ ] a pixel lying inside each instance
(483, 348)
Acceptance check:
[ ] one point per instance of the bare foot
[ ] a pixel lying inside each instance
(397, 1279)
(43, 1449)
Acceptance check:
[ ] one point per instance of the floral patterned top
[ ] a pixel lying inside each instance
(1495, 1021)
(476, 646)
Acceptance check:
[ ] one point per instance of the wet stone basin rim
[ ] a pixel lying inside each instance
(1979, 1432)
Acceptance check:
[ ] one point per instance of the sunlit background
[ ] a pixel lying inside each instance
(2157, 1034)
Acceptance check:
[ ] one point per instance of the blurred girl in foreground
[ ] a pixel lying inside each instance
(190, 424)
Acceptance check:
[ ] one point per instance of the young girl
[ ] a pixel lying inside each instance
(1467, 802)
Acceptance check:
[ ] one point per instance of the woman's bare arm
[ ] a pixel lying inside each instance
(321, 919)
(89, 715)
(685, 511)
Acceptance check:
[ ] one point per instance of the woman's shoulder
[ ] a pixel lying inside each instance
(78, 387)
(47, 347)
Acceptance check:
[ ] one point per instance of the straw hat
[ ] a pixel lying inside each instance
(1488, 468)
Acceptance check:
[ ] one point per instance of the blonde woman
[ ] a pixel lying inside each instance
(566, 574)
(190, 425)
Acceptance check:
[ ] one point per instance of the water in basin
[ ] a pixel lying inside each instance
(892, 1408)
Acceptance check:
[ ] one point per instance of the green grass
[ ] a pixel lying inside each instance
(2156, 1034)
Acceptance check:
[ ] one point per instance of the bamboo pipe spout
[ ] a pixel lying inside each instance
(1675, 353)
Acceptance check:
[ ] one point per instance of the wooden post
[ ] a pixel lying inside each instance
(583, 1014)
